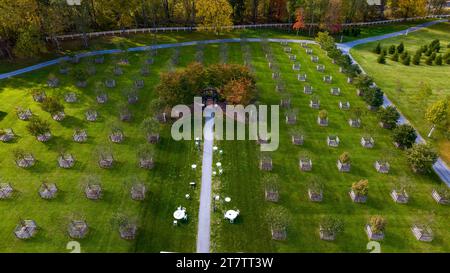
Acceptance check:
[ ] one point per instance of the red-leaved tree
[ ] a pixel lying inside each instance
(299, 20)
(332, 17)
(239, 91)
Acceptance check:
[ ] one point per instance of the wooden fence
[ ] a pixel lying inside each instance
(223, 28)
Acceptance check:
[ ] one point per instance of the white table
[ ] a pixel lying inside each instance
(231, 215)
(179, 214)
(227, 199)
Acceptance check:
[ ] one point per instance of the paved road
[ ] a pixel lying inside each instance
(441, 169)
(204, 214)
(347, 46)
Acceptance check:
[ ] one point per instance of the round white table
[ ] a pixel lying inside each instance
(231, 214)
(179, 214)
(227, 199)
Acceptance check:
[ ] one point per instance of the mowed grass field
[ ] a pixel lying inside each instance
(241, 180)
(167, 183)
(393, 75)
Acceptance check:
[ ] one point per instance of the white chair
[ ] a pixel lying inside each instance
(175, 222)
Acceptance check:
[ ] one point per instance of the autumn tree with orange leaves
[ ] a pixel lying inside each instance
(239, 91)
(299, 20)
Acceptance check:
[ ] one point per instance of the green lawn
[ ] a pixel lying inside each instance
(392, 75)
(241, 181)
(242, 178)
(168, 182)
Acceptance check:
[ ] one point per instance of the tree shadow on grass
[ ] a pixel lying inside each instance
(57, 143)
(400, 241)
(60, 195)
(107, 196)
(40, 167)
(2, 115)
(362, 172)
(72, 122)
(116, 167)
(377, 204)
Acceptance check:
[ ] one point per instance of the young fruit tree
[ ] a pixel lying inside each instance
(37, 126)
(421, 157)
(361, 187)
(325, 40)
(388, 117)
(404, 136)
(330, 226)
(377, 223)
(373, 97)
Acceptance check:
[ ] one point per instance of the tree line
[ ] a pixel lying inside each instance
(25, 23)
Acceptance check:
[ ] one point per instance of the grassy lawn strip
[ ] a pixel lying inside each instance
(168, 182)
(241, 178)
